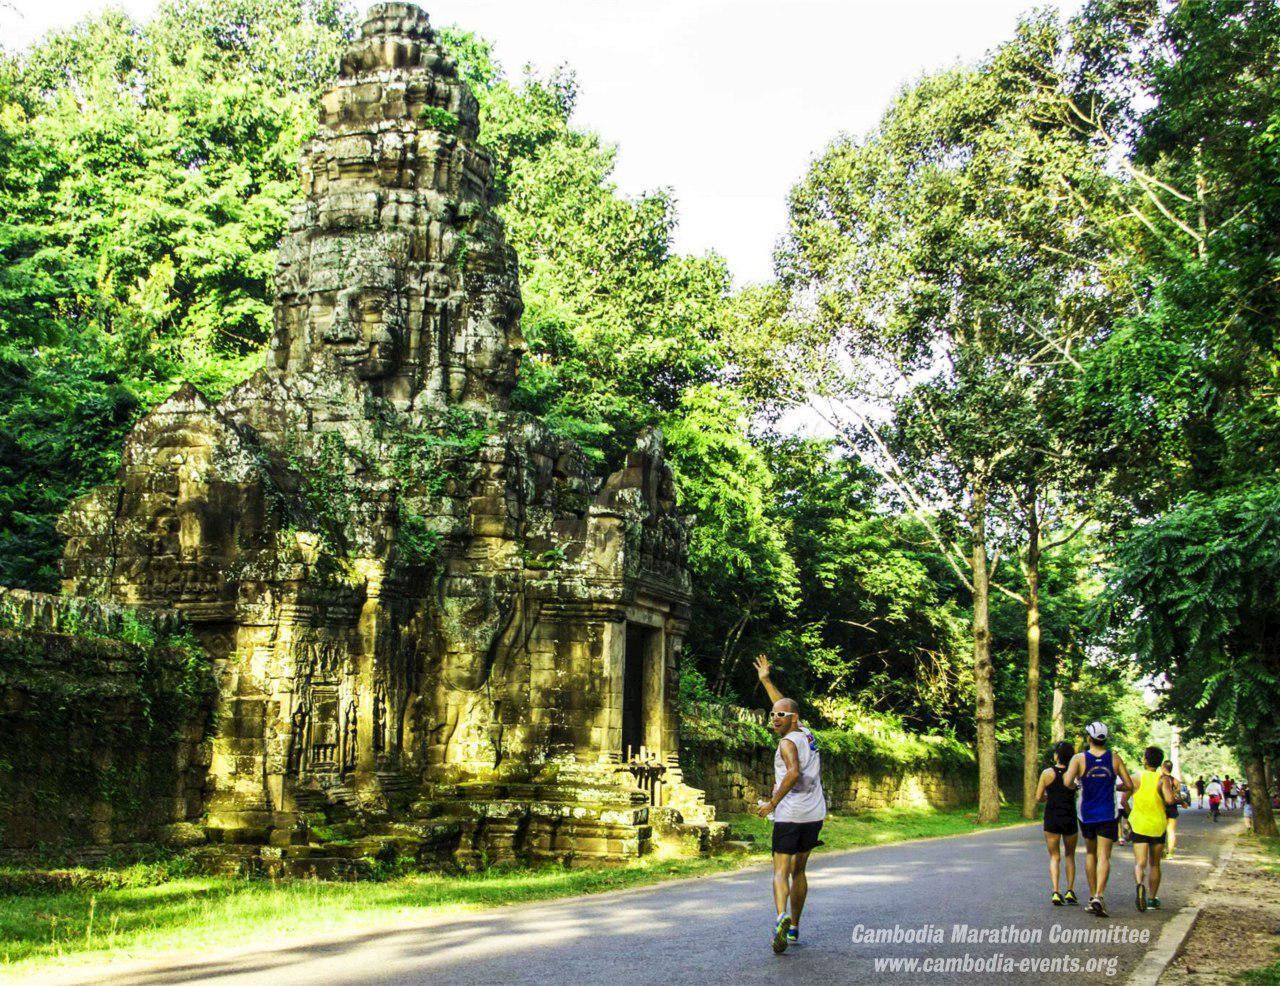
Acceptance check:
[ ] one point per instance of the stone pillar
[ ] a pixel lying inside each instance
(655, 678)
(613, 660)
(370, 632)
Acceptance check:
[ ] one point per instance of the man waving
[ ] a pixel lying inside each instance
(797, 807)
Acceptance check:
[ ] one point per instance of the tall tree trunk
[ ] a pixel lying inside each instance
(983, 679)
(1058, 720)
(729, 655)
(1031, 705)
(1264, 821)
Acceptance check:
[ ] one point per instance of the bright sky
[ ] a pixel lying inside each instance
(723, 101)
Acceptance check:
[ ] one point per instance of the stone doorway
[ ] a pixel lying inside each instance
(642, 708)
(639, 642)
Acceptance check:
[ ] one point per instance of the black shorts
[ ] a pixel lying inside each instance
(1151, 840)
(1061, 824)
(1100, 830)
(1170, 811)
(795, 837)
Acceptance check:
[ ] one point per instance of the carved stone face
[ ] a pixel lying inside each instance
(367, 330)
(497, 329)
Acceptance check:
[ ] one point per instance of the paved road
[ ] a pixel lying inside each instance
(716, 929)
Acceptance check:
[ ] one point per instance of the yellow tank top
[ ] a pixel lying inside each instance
(1148, 817)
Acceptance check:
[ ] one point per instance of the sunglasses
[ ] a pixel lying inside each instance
(780, 715)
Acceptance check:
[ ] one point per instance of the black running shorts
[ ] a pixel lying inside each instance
(1061, 824)
(794, 837)
(1170, 811)
(1100, 830)
(1151, 840)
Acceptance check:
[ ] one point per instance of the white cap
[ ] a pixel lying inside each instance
(1097, 731)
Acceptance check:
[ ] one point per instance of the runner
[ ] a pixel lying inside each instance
(1170, 810)
(1060, 828)
(1153, 794)
(1096, 769)
(1200, 791)
(1228, 792)
(1214, 790)
(797, 808)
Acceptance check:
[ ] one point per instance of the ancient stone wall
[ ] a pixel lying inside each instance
(734, 780)
(102, 739)
(734, 766)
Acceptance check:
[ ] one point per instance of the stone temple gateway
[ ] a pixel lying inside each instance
(430, 620)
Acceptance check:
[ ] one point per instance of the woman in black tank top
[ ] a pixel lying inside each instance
(1061, 831)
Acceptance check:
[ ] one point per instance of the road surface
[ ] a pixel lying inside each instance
(717, 929)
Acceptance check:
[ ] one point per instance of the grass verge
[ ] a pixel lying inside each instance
(1269, 975)
(80, 924)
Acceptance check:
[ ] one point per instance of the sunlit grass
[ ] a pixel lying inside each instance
(196, 913)
(874, 828)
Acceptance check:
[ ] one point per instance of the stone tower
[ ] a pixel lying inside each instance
(430, 619)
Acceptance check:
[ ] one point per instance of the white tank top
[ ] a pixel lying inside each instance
(804, 802)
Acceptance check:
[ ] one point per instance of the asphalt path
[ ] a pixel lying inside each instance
(717, 929)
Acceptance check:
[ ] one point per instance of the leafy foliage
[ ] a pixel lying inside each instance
(147, 174)
(863, 741)
(1202, 584)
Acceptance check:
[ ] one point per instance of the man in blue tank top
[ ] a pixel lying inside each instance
(1095, 771)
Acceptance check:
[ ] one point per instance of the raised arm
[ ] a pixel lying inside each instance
(762, 671)
(1168, 790)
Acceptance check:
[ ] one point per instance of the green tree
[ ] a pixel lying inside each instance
(618, 325)
(1177, 408)
(877, 624)
(941, 257)
(743, 572)
(146, 173)
(1197, 591)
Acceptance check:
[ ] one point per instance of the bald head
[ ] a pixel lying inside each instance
(785, 716)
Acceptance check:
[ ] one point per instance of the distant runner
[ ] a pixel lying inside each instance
(1200, 791)
(1214, 790)
(1153, 794)
(1061, 831)
(1170, 810)
(798, 808)
(1096, 769)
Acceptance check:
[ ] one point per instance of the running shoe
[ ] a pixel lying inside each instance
(1140, 897)
(1071, 897)
(793, 935)
(1057, 899)
(1097, 907)
(1154, 903)
(780, 934)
